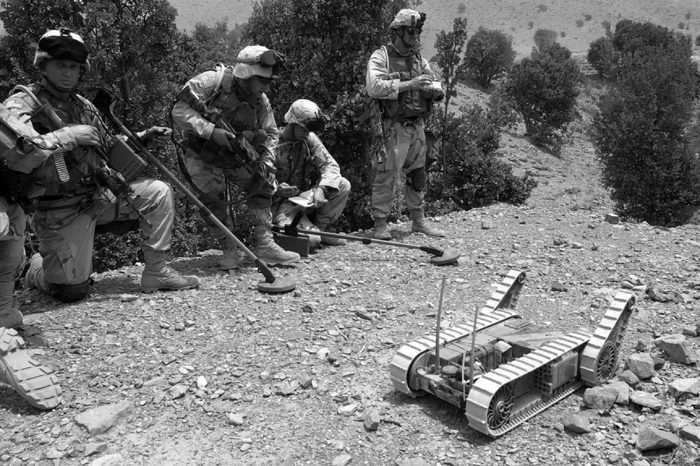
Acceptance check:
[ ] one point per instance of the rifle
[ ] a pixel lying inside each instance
(243, 152)
(105, 175)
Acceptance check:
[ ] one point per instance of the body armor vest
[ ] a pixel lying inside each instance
(293, 165)
(410, 104)
(81, 171)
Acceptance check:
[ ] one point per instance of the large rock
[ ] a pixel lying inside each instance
(677, 348)
(650, 438)
(623, 392)
(691, 433)
(648, 400)
(577, 423)
(600, 398)
(629, 378)
(681, 387)
(99, 420)
(641, 364)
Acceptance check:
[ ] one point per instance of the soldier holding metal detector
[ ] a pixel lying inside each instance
(309, 178)
(79, 187)
(230, 133)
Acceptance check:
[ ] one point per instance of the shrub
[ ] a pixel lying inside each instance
(543, 89)
(544, 38)
(587, 17)
(641, 131)
(681, 25)
(602, 56)
(461, 8)
(562, 34)
(472, 175)
(530, 24)
(607, 27)
(489, 54)
(579, 23)
(541, 8)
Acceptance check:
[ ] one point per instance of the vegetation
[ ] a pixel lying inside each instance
(641, 131)
(489, 55)
(543, 88)
(138, 54)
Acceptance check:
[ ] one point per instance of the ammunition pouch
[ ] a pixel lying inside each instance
(124, 159)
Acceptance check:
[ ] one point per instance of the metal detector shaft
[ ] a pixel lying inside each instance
(291, 230)
(103, 101)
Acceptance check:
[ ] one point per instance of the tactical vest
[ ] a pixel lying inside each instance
(79, 161)
(410, 104)
(294, 165)
(240, 114)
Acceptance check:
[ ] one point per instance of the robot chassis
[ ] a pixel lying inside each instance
(503, 370)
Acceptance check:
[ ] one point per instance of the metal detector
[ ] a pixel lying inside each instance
(440, 257)
(104, 102)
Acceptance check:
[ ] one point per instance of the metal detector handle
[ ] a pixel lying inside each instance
(104, 102)
(292, 230)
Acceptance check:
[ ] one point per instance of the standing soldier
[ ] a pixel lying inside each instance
(231, 135)
(305, 167)
(403, 83)
(70, 190)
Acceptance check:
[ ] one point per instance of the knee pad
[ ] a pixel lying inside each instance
(417, 179)
(69, 293)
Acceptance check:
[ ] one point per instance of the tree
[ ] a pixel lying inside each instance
(544, 39)
(602, 56)
(543, 89)
(641, 131)
(449, 59)
(489, 54)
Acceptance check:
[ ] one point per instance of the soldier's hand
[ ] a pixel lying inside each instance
(287, 191)
(222, 138)
(319, 199)
(156, 137)
(419, 82)
(85, 135)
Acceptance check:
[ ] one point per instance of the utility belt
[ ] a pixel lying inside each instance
(82, 200)
(408, 121)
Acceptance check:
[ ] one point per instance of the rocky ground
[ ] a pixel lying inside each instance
(228, 375)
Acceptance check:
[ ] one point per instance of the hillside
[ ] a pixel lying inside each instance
(510, 16)
(226, 375)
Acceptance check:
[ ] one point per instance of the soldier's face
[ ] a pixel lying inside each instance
(259, 85)
(410, 36)
(63, 74)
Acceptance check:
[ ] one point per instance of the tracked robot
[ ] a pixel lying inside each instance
(503, 370)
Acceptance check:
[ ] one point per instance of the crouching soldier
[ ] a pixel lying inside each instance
(306, 171)
(72, 186)
(230, 133)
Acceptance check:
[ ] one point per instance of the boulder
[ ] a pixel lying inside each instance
(681, 387)
(691, 433)
(600, 398)
(629, 378)
(648, 400)
(577, 423)
(641, 364)
(676, 347)
(650, 438)
(623, 392)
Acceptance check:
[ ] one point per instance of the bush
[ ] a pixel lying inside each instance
(472, 175)
(641, 131)
(489, 54)
(579, 23)
(543, 89)
(587, 17)
(544, 38)
(602, 56)
(541, 8)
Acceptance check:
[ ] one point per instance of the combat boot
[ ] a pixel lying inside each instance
(158, 276)
(31, 380)
(381, 230)
(270, 252)
(266, 249)
(9, 317)
(421, 226)
(230, 260)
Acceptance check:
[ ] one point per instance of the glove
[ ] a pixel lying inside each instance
(319, 199)
(287, 191)
(222, 138)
